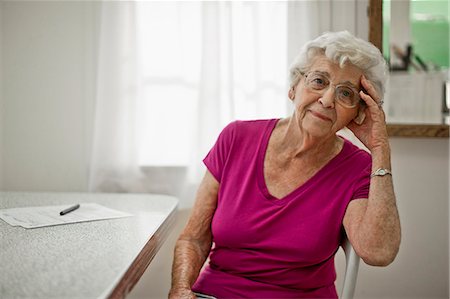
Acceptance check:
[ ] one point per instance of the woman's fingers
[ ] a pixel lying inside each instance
(371, 93)
(370, 101)
(369, 87)
(374, 112)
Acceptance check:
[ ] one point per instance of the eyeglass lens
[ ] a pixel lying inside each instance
(346, 95)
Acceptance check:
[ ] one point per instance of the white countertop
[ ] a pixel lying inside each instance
(80, 260)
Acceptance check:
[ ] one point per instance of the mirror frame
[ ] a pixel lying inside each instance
(375, 14)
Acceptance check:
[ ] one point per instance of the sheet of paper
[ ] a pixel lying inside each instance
(33, 217)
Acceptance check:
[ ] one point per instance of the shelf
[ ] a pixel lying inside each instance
(418, 130)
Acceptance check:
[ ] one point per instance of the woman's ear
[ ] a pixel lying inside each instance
(361, 116)
(291, 93)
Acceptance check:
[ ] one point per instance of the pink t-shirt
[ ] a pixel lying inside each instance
(266, 247)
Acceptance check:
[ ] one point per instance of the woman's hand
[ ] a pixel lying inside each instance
(181, 293)
(372, 132)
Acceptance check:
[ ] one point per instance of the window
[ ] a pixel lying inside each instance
(173, 41)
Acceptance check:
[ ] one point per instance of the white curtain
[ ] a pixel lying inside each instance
(114, 160)
(171, 75)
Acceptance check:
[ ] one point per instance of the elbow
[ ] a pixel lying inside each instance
(378, 260)
(380, 257)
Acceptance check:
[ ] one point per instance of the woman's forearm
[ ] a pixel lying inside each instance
(189, 258)
(194, 244)
(379, 230)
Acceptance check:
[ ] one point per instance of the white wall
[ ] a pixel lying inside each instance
(1, 94)
(48, 54)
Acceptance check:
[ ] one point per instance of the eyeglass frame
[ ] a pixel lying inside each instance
(336, 99)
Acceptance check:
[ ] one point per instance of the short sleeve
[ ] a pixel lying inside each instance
(362, 184)
(216, 159)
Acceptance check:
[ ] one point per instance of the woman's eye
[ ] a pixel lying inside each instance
(346, 93)
(318, 81)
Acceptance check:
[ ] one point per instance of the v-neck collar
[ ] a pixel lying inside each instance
(260, 168)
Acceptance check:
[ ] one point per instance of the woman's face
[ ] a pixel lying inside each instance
(317, 109)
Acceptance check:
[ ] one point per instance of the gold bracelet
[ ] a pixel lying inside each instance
(381, 172)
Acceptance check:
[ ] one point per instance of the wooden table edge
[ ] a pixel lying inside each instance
(144, 258)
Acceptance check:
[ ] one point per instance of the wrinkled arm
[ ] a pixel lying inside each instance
(372, 225)
(193, 245)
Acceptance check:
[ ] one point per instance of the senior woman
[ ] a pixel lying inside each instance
(279, 194)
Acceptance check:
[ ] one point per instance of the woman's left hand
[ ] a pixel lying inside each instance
(372, 132)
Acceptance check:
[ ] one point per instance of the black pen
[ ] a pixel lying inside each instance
(68, 210)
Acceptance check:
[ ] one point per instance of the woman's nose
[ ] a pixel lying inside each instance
(327, 98)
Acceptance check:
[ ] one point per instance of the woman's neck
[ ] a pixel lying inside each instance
(292, 142)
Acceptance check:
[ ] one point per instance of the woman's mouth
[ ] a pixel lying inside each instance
(319, 115)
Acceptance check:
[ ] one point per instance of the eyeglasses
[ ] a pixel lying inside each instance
(345, 95)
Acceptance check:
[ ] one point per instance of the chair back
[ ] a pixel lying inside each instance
(351, 270)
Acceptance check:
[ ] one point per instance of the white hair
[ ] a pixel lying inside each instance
(342, 47)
